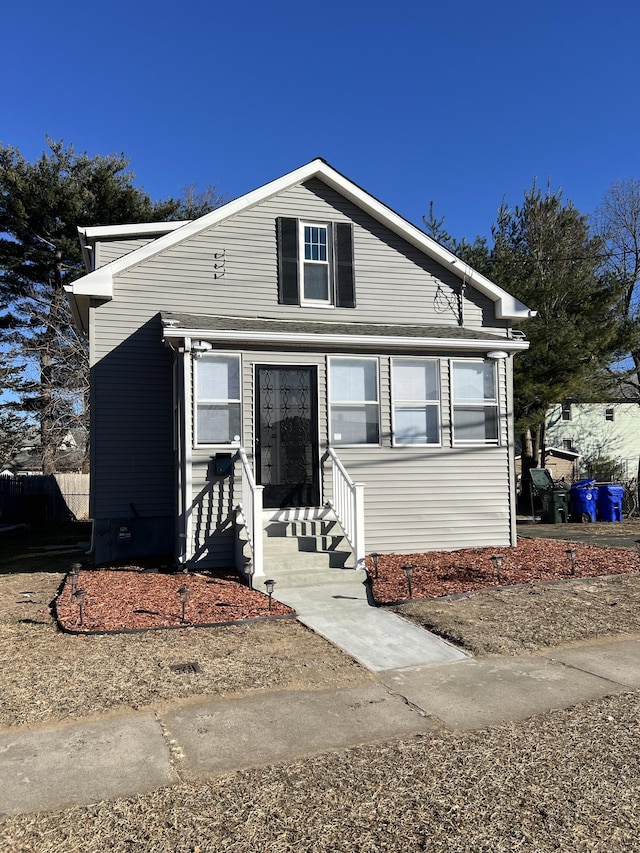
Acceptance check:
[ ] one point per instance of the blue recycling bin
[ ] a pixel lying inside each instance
(583, 501)
(610, 502)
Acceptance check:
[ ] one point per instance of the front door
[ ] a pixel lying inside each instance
(287, 457)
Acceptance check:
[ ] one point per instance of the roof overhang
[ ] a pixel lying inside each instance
(328, 336)
(99, 283)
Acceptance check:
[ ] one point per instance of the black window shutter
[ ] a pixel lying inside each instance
(343, 254)
(288, 261)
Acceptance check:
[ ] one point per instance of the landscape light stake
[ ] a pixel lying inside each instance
(79, 596)
(408, 573)
(269, 585)
(73, 576)
(375, 558)
(497, 565)
(572, 559)
(184, 592)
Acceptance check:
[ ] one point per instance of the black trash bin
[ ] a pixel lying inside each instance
(554, 497)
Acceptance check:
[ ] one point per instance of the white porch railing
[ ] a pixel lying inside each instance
(348, 505)
(250, 511)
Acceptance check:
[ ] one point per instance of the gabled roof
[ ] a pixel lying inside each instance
(99, 283)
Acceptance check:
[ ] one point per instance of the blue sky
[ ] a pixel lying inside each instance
(462, 102)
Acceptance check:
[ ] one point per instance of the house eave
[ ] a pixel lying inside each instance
(173, 336)
(507, 308)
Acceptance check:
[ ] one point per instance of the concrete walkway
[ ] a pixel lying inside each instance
(376, 638)
(121, 755)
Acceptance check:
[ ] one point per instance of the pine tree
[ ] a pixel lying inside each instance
(45, 359)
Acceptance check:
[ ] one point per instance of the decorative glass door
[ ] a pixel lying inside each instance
(287, 461)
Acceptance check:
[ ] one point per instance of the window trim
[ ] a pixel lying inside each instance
(329, 264)
(361, 403)
(208, 401)
(484, 404)
(342, 281)
(397, 403)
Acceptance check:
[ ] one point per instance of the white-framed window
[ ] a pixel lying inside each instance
(354, 410)
(415, 390)
(609, 414)
(316, 262)
(474, 402)
(217, 398)
(565, 411)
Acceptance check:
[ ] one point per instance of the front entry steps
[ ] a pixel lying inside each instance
(306, 547)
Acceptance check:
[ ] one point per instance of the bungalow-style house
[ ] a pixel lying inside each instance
(301, 352)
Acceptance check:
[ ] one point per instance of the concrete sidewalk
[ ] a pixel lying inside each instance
(121, 755)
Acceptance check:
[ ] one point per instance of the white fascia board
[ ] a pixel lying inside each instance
(98, 283)
(141, 229)
(291, 339)
(507, 307)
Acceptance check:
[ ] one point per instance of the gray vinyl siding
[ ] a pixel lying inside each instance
(415, 498)
(111, 250)
(394, 280)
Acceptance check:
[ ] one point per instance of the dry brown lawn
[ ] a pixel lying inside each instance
(566, 781)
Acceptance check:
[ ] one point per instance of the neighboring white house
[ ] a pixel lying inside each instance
(302, 343)
(609, 430)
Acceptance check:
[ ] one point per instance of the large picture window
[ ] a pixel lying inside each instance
(416, 401)
(475, 402)
(353, 401)
(217, 399)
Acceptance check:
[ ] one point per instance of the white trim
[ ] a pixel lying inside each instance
(141, 229)
(356, 405)
(395, 403)
(327, 264)
(479, 405)
(188, 451)
(197, 363)
(342, 340)
(507, 306)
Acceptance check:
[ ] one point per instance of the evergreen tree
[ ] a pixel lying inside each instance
(45, 359)
(546, 256)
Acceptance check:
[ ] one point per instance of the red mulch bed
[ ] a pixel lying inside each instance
(441, 573)
(132, 599)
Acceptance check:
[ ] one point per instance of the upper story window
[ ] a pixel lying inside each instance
(609, 414)
(416, 400)
(354, 413)
(475, 402)
(315, 263)
(217, 384)
(565, 411)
